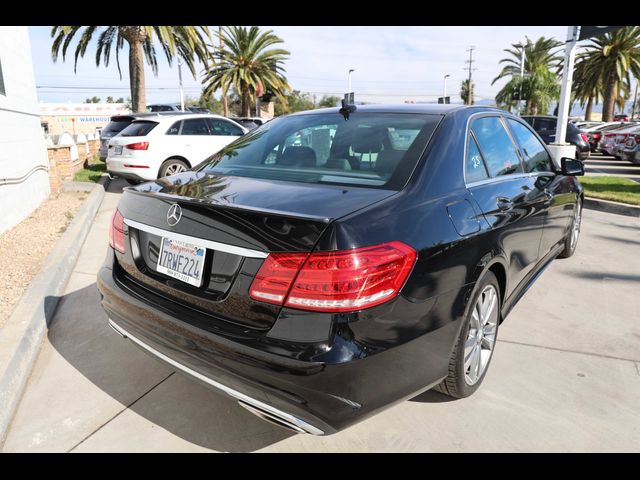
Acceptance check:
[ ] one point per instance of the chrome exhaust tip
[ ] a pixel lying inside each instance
(271, 418)
(263, 410)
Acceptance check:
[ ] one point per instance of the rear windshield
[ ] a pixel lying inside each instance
(116, 126)
(375, 150)
(138, 129)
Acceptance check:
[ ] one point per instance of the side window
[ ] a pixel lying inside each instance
(222, 127)
(544, 124)
(474, 164)
(194, 126)
(174, 129)
(497, 149)
(536, 158)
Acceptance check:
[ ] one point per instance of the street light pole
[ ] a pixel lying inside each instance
(521, 76)
(444, 90)
(559, 148)
(350, 72)
(180, 77)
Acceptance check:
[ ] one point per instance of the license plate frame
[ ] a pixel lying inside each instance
(183, 261)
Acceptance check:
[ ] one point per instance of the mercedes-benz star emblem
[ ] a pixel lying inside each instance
(174, 214)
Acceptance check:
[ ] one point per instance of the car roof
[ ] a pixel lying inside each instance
(143, 115)
(426, 108)
(629, 126)
(183, 115)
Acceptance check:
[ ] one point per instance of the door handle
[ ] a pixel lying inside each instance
(504, 203)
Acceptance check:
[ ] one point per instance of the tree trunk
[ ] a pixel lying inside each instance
(609, 100)
(136, 77)
(246, 101)
(587, 112)
(225, 104)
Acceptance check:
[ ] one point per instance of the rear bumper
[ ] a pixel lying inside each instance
(266, 409)
(127, 175)
(315, 396)
(583, 151)
(142, 170)
(632, 156)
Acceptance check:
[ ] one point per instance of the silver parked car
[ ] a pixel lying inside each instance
(630, 150)
(614, 137)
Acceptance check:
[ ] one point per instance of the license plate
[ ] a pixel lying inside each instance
(118, 149)
(181, 260)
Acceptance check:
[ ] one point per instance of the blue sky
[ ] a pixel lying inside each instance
(392, 64)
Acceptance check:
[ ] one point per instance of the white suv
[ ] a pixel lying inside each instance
(156, 147)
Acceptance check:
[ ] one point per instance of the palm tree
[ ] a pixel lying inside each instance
(466, 93)
(612, 58)
(540, 81)
(246, 63)
(181, 41)
(587, 87)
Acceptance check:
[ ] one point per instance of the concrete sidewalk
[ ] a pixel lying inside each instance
(565, 375)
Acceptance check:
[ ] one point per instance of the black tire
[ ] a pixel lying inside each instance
(569, 245)
(169, 164)
(455, 385)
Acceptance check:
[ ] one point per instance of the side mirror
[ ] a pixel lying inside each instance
(571, 167)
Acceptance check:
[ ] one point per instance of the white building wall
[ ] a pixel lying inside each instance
(22, 145)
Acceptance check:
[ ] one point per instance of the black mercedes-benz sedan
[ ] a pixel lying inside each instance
(334, 262)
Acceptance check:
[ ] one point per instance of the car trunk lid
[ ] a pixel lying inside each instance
(239, 221)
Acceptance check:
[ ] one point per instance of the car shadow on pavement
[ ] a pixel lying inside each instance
(431, 396)
(80, 333)
(606, 275)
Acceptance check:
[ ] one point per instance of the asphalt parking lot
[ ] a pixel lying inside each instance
(565, 375)
(603, 165)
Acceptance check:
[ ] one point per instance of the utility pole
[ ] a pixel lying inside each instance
(470, 62)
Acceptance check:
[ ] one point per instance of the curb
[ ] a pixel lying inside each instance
(79, 186)
(611, 207)
(22, 334)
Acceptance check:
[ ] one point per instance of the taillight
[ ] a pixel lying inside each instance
(596, 136)
(584, 137)
(339, 281)
(637, 138)
(273, 281)
(609, 135)
(138, 146)
(116, 231)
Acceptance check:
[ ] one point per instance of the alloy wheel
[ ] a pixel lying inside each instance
(174, 168)
(481, 338)
(575, 228)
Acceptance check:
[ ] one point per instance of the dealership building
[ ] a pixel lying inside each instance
(75, 118)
